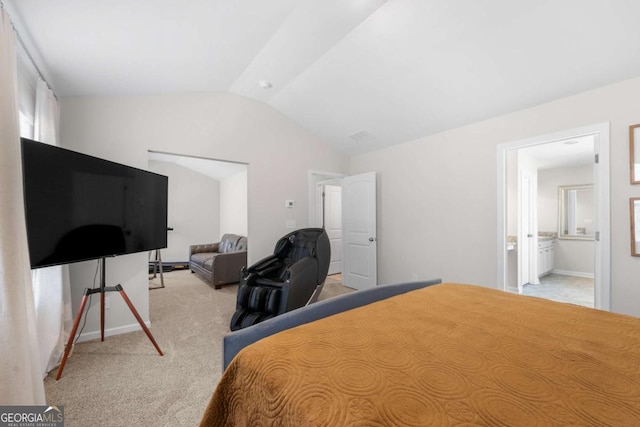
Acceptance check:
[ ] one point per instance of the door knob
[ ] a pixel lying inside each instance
(371, 239)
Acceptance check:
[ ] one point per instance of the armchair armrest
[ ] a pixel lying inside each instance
(265, 266)
(301, 283)
(206, 247)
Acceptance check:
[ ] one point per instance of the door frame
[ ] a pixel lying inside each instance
(602, 253)
(315, 177)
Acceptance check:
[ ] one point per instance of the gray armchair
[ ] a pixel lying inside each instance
(219, 263)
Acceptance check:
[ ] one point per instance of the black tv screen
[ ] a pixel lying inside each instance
(80, 207)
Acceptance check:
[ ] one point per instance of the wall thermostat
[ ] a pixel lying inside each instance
(289, 203)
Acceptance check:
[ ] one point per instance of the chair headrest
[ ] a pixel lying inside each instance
(306, 242)
(283, 246)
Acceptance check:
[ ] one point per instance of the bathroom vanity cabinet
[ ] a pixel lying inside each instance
(546, 256)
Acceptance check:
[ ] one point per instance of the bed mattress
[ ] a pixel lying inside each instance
(449, 354)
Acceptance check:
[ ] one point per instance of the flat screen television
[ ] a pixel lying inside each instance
(80, 207)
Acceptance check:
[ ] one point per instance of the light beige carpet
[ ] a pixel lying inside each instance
(124, 382)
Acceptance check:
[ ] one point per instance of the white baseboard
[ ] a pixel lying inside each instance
(88, 336)
(572, 273)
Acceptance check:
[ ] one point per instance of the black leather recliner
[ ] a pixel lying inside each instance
(290, 278)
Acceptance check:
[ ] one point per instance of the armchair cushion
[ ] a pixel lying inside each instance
(201, 258)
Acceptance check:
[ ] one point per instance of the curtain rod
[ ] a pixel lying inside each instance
(24, 47)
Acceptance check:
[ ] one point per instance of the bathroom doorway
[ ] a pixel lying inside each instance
(551, 161)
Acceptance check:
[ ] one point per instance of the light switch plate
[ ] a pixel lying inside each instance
(289, 203)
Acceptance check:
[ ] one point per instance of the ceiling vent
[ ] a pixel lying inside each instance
(362, 137)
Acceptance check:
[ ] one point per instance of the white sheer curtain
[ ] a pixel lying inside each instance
(51, 293)
(20, 375)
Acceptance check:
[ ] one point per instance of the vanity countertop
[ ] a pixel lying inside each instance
(545, 236)
(512, 241)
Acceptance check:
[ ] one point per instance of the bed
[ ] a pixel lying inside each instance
(443, 354)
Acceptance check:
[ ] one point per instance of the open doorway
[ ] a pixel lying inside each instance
(330, 212)
(207, 198)
(357, 220)
(538, 251)
(553, 260)
(325, 211)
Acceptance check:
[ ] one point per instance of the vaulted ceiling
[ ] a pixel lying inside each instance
(363, 74)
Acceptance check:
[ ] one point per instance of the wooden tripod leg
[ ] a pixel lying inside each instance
(72, 335)
(137, 316)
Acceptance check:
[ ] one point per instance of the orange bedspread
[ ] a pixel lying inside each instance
(450, 355)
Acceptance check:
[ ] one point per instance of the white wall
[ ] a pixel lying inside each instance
(512, 192)
(218, 126)
(571, 256)
(233, 204)
(437, 196)
(193, 209)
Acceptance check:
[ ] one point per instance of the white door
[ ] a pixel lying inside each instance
(333, 224)
(527, 230)
(359, 268)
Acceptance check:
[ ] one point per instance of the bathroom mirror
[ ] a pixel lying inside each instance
(634, 205)
(634, 153)
(576, 211)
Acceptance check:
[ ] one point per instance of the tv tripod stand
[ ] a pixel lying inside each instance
(102, 290)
